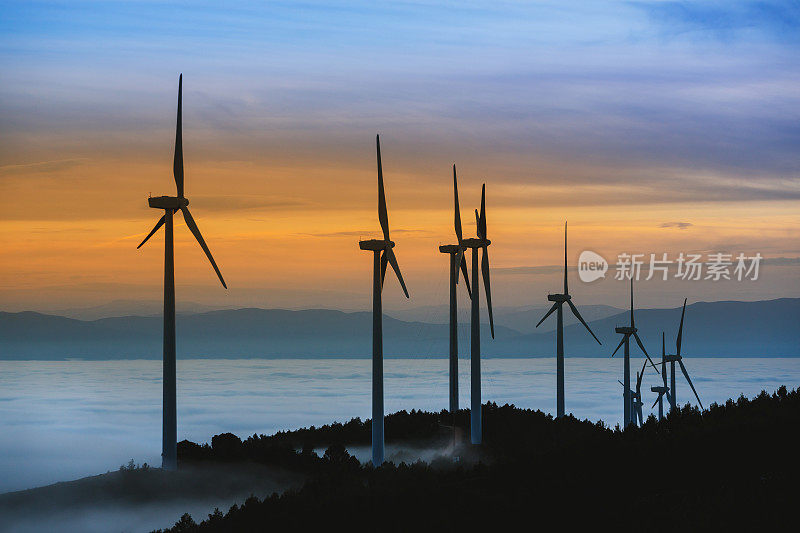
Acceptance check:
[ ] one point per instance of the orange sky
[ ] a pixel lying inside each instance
(288, 236)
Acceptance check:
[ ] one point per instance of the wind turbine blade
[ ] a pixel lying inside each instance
(633, 324)
(579, 317)
(383, 216)
(384, 264)
(641, 346)
(669, 398)
(459, 260)
(619, 346)
(550, 312)
(686, 375)
(457, 218)
(396, 268)
(621, 383)
(487, 286)
(155, 229)
(680, 329)
(639, 377)
(482, 217)
(464, 272)
(566, 287)
(639, 412)
(177, 163)
(656, 402)
(190, 223)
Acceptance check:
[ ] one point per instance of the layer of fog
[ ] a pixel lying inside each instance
(67, 420)
(139, 499)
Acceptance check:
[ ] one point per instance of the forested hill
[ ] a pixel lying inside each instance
(732, 467)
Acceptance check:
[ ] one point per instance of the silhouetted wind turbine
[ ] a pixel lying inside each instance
(559, 300)
(481, 241)
(457, 260)
(383, 255)
(672, 359)
(635, 396)
(663, 389)
(170, 205)
(627, 332)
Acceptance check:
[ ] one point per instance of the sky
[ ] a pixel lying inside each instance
(653, 127)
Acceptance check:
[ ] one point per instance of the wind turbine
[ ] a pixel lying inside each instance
(628, 332)
(672, 359)
(663, 389)
(636, 397)
(171, 205)
(636, 402)
(481, 241)
(559, 300)
(457, 260)
(382, 256)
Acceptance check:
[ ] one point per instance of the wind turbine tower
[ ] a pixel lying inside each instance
(171, 205)
(383, 255)
(558, 302)
(663, 389)
(628, 332)
(481, 242)
(457, 261)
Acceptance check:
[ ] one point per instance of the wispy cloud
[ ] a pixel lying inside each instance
(241, 202)
(782, 261)
(777, 20)
(532, 270)
(40, 167)
(365, 233)
(679, 225)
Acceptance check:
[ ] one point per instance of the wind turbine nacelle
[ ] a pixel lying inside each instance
(672, 358)
(450, 248)
(375, 245)
(558, 297)
(167, 202)
(625, 330)
(660, 390)
(475, 242)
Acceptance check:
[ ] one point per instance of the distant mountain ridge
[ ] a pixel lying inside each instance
(522, 319)
(732, 329)
(119, 308)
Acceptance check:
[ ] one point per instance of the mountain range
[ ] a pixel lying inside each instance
(712, 329)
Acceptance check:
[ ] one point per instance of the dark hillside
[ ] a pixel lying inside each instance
(733, 466)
